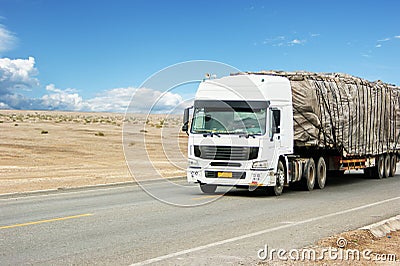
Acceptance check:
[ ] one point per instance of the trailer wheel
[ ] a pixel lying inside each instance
(308, 178)
(321, 173)
(280, 181)
(379, 169)
(387, 166)
(208, 189)
(393, 165)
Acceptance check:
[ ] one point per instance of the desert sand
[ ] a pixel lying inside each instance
(53, 150)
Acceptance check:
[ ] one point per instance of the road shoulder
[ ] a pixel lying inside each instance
(375, 243)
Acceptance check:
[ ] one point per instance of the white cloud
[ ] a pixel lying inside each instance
(19, 101)
(17, 74)
(381, 41)
(315, 34)
(7, 39)
(384, 40)
(296, 42)
(113, 100)
(274, 41)
(4, 106)
(62, 99)
(52, 88)
(282, 41)
(143, 100)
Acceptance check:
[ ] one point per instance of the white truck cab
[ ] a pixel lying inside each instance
(240, 133)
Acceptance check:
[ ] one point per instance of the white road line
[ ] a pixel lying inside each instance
(49, 193)
(68, 191)
(230, 240)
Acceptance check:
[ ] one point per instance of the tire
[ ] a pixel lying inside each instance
(393, 165)
(277, 190)
(308, 178)
(386, 172)
(379, 169)
(208, 189)
(321, 173)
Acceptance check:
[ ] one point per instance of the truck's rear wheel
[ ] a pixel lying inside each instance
(379, 169)
(280, 180)
(387, 165)
(321, 173)
(393, 166)
(208, 189)
(308, 178)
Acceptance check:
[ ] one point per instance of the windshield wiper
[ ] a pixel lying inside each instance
(247, 135)
(211, 134)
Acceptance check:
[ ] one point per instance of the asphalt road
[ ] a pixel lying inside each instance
(124, 225)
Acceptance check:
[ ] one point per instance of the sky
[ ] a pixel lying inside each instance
(93, 55)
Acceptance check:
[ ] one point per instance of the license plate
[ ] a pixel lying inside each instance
(225, 174)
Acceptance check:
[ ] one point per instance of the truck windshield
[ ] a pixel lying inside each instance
(229, 117)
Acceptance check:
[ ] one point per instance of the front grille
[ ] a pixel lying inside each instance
(232, 153)
(225, 164)
(235, 175)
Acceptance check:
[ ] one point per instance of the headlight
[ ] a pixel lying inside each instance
(193, 163)
(260, 165)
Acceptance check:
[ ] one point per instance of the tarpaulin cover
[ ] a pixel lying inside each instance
(352, 115)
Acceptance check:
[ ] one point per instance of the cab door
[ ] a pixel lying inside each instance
(275, 127)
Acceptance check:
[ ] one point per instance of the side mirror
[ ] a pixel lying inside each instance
(185, 126)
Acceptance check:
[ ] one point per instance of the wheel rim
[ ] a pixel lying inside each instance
(280, 179)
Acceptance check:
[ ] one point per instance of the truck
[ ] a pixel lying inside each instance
(268, 130)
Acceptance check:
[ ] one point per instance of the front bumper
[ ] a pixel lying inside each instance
(238, 177)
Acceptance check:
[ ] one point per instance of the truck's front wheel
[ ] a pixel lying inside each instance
(280, 180)
(208, 189)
